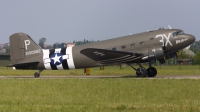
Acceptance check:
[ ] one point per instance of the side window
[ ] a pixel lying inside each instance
(141, 43)
(174, 34)
(114, 49)
(133, 45)
(123, 47)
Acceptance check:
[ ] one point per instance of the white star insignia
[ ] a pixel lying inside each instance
(56, 59)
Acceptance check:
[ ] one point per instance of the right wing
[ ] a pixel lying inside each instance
(105, 56)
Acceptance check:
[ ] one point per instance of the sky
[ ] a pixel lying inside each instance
(69, 20)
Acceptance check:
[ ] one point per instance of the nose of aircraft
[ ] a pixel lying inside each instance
(181, 42)
(191, 39)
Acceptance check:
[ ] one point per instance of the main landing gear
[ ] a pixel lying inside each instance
(37, 74)
(143, 72)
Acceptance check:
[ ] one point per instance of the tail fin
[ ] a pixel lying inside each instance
(23, 49)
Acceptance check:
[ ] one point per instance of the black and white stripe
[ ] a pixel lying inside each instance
(67, 63)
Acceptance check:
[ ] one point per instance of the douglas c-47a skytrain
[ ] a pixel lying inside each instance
(138, 48)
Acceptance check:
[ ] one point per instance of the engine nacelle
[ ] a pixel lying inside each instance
(158, 51)
(154, 52)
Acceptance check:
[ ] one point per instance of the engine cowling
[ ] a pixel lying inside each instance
(154, 52)
(157, 52)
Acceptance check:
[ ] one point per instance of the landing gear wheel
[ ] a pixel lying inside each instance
(151, 72)
(142, 72)
(36, 75)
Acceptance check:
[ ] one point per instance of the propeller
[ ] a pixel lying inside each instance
(168, 55)
(165, 50)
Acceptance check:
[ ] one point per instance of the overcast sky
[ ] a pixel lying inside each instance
(68, 20)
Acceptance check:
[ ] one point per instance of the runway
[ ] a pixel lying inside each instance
(98, 77)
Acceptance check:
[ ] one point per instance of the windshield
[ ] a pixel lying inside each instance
(180, 32)
(177, 33)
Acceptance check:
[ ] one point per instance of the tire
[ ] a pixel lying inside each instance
(151, 73)
(142, 73)
(36, 75)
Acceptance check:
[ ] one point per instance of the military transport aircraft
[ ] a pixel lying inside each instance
(143, 47)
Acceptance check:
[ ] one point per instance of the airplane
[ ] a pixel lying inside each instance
(138, 48)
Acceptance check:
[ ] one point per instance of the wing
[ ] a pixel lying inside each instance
(104, 56)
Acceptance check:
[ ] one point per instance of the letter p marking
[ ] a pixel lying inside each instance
(26, 42)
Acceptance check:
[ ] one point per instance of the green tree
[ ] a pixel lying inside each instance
(195, 47)
(56, 45)
(196, 59)
(7, 48)
(49, 47)
(183, 55)
(41, 42)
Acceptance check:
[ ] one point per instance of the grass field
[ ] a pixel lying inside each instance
(100, 95)
(109, 70)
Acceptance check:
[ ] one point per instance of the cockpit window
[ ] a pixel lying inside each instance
(174, 34)
(177, 33)
(180, 32)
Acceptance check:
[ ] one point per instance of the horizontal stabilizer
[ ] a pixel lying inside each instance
(25, 65)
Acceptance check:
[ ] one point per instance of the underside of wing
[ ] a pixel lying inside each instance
(104, 56)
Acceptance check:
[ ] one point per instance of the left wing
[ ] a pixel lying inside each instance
(104, 56)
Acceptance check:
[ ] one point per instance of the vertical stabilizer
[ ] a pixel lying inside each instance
(23, 49)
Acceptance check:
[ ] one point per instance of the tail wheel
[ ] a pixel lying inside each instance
(141, 72)
(36, 75)
(151, 72)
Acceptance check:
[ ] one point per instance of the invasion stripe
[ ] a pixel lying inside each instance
(70, 60)
(64, 62)
(67, 58)
(46, 59)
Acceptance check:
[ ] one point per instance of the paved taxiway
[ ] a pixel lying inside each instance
(87, 76)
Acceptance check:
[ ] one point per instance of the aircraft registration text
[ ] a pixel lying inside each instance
(180, 41)
(33, 52)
